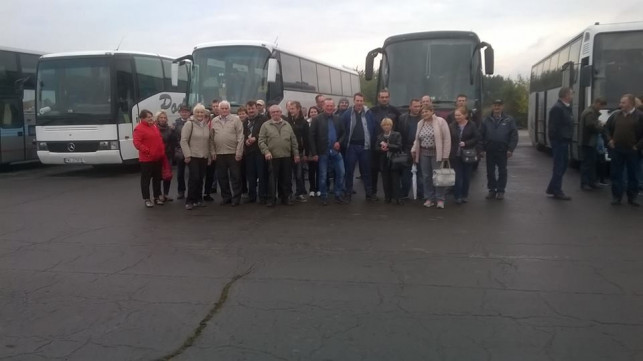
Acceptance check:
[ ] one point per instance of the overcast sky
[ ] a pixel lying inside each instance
(337, 32)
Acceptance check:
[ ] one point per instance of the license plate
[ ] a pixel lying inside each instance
(73, 160)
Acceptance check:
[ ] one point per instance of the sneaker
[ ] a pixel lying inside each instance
(207, 198)
(199, 204)
(500, 196)
(167, 199)
(181, 195)
(465, 200)
(270, 204)
(158, 202)
(458, 201)
(562, 197)
(586, 187)
(324, 201)
(340, 200)
(301, 198)
(148, 203)
(188, 207)
(372, 198)
(318, 194)
(312, 194)
(440, 204)
(429, 204)
(616, 202)
(287, 202)
(491, 195)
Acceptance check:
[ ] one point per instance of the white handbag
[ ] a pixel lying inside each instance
(445, 176)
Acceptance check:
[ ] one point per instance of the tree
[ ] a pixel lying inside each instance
(515, 95)
(369, 88)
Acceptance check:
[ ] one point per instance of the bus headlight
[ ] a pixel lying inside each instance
(42, 146)
(108, 145)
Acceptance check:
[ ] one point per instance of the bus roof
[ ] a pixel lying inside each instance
(592, 30)
(270, 48)
(453, 34)
(99, 53)
(18, 50)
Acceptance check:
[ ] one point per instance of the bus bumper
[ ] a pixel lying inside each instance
(98, 157)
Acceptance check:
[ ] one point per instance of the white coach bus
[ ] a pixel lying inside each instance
(604, 60)
(88, 103)
(239, 71)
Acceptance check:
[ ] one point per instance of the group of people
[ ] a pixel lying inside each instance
(620, 139)
(258, 152)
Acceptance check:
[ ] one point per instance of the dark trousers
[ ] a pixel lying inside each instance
(496, 160)
(588, 166)
(298, 176)
(256, 175)
(229, 177)
(624, 160)
(197, 168)
(180, 175)
(390, 181)
(280, 170)
(167, 182)
(375, 169)
(312, 176)
(244, 180)
(560, 153)
(407, 181)
(151, 171)
(462, 177)
(210, 185)
(356, 154)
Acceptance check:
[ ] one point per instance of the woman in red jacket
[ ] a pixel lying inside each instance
(151, 150)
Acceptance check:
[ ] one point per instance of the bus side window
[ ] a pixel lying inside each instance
(124, 89)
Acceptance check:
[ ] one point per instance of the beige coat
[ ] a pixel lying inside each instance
(442, 139)
(195, 140)
(227, 136)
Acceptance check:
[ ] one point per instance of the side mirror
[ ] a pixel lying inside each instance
(368, 67)
(174, 71)
(586, 75)
(488, 60)
(273, 65)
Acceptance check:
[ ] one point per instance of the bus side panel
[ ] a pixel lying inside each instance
(29, 111)
(552, 97)
(541, 115)
(531, 119)
(166, 101)
(11, 132)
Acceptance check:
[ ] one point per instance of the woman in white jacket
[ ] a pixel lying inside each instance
(432, 145)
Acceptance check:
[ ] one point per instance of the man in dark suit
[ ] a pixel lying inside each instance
(560, 131)
(326, 137)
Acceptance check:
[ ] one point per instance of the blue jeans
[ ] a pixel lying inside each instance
(462, 177)
(624, 159)
(431, 192)
(496, 159)
(335, 160)
(357, 154)
(560, 153)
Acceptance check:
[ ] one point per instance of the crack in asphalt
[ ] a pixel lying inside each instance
(223, 297)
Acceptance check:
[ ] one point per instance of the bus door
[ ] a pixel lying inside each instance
(12, 131)
(29, 113)
(127, 110)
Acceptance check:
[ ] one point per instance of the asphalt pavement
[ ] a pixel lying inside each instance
(88, 273)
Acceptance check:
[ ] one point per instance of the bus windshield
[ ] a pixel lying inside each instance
(234, 73)
(618, 65)
(438, 67)
(74, 91)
